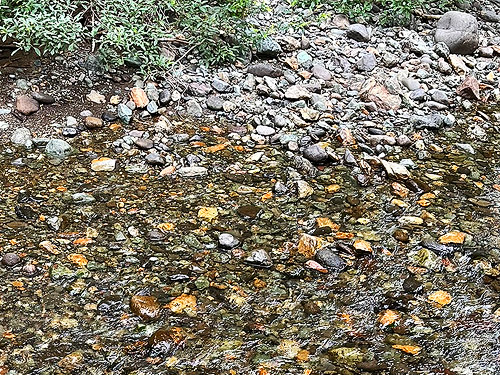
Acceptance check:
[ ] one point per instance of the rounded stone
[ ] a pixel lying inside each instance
(10, 259)
(228, 241)
(315, 154)
(459, 31)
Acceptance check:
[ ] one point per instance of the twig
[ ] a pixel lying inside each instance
(184, 55)
(427, 16)
(173, 40)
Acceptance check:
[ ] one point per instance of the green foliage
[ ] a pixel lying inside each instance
(122, 30)
(37, 24)
(394, 12)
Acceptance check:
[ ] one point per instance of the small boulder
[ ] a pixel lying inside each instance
(358, 32)
(27, 105)
(459, 31)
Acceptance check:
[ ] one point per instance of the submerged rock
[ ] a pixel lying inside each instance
(147, 307)
(259, 258)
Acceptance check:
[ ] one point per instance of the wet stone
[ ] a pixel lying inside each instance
(144, 143)
(228, 241)
(249, 211)
(411, 284)
(10, 259)
(147, 307)
(316, 154)
(328, 258)
(401, 235)
(259, 258)
(163, 342)
(155, 159)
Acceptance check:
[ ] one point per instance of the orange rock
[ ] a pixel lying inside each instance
(452, 237)
(387, 317)
(363, 245)
(78, 259)
(308, 245)
(139, 97)
(181, 303)
(208, 213)
(410, 349)
(303, 356)
(428, 196)
(322, 222)
(267, 196)
(424, 202)
(344, 236)
(212, 149)
(441, 297)
(165, 227)
(399, 190)
(330, 189)
(82, 241)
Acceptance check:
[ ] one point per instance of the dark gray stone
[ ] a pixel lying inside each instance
(43, 98)
(268, 48)
(328, 258)
(358, 32)
(315, 154)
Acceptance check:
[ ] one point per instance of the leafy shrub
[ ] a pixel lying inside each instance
(394, 12)
(129, 29)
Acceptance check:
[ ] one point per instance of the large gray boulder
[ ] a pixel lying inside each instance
(459, 31)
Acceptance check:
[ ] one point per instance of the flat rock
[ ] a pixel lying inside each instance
(192, 171)
(265, 70)
(147, 307)
(297, 92)
(372, 91)
(139, 97)
(103, 164)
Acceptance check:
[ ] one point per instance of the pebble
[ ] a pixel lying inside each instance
(43, 98)
(259, 258)
(228, 241)
(10, 259)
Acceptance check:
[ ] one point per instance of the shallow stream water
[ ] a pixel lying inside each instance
(70, 310)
